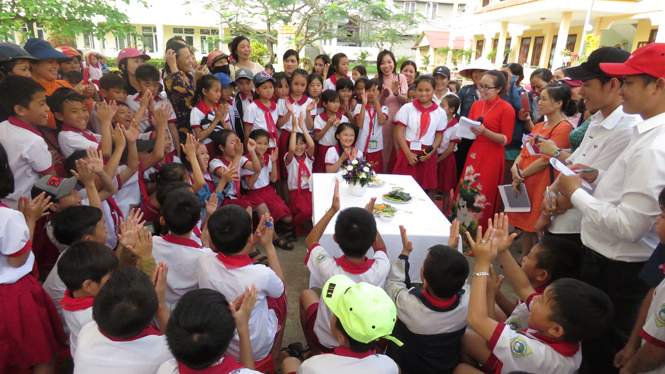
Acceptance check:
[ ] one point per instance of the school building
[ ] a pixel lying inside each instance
(548, 33)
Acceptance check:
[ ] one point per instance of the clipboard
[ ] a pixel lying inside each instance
(565, 170)
(513, 202)
(464, 128)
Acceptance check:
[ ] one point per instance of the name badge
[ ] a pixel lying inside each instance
(272, 143)
(373, 144)
(304, 179)
(415, 146)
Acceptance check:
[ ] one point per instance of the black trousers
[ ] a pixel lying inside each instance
(621, 282)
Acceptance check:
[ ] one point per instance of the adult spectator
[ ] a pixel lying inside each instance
(241, 49)
(14, 60)
(290, 60)
(128, 60)
(395, 89)
(69, 65)
(179, 82)
(515, 76)
(410, 71)
(619, 215)
(467, 96)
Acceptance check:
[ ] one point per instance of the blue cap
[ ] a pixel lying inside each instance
(225, 79)
(42, 50)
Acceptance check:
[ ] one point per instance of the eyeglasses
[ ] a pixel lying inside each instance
(484, 88)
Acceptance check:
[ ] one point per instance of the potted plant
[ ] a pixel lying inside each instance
(358, 173)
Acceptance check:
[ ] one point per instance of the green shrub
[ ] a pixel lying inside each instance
(112, 62)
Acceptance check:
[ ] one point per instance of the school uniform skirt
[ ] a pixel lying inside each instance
(274, 203)
(376, 160)
(319, 165)
(423, 172)
(243, 202)
(447, 173)
(30, 329)
(301, 205)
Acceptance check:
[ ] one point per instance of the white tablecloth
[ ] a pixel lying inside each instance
(425, 227)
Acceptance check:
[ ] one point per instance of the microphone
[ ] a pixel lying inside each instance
(425, 152)
(480, 119)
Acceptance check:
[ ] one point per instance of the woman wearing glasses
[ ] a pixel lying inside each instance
(477, 197)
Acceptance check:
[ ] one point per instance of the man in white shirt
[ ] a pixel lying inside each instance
(618, 219)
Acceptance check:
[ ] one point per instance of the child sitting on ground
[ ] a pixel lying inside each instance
(83, 268)
(121, 338)
(355, 232)
(431, 322)
(230, 270)
(200, 330)
(361, 315)
(566, 313)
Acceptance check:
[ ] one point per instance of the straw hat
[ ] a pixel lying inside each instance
(481, 63)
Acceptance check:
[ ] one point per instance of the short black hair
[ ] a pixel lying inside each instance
(258, 133)
(200, 328)
(110, 81)
(72, 223)
(583, 311)
(445, 269)
(559, 257)
(121, 103)
(344, 83)
(361, 70)
(362, 80)
(289, 53)
(328, 96)
(354, 345)
(425, 78)
(147, 73)
(230, 227)
(70, 162)
(220, 138)
(169, 172)
(6, 175)
(126, 304)
(56, 102)
(647, 79)
(165, 190)
(181, 211)
(355, 231)
(300, 72)
(86, 261)
(280, 77)
(16, 90)
(73, 77)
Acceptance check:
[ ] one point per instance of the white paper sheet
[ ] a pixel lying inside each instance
(464, 128)
(565, 170)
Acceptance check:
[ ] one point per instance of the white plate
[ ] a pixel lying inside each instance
(383, 183)
(396, 202)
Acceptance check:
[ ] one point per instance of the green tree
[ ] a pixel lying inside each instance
(64, 17)
(382, 25)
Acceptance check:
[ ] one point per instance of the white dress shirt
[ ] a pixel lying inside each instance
(618, 218)
(603, 141)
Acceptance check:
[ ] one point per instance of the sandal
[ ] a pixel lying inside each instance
(290, 236)
(255, 254)
(263, 260)
(294, 350)
(283, 243)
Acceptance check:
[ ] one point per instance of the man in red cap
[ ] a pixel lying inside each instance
(619, 216)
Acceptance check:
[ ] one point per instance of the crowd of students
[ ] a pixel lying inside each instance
(133, 204)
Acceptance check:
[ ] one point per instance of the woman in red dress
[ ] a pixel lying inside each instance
(477, 197)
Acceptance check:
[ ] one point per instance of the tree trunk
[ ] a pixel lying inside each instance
(32, 30)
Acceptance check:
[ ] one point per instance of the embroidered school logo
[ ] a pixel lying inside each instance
(320, 258)
(660, 316)
(514, 324)
(519, 348)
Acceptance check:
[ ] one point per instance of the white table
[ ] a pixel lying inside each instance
(425, 227)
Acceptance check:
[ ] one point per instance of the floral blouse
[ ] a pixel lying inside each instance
(577, 135)
(180, 90)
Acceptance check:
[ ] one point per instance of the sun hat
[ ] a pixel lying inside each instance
(42, 50)
(481, 63)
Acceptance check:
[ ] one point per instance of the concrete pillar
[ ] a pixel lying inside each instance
(161, 43)
(660, 36)
(501, 47)
(515, 38)
(548, 31)
(597, 29)
(562, 38)
(487, 46)
(642, 32)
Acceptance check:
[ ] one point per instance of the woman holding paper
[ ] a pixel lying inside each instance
(531, 171)
(477, 198)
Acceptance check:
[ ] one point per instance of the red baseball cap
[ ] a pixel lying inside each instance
(130, 53)
(649, 59)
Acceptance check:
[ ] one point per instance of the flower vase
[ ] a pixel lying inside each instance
(356, 189)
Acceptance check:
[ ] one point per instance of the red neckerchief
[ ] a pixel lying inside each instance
(71, 304)
(352, 267)
(303, 100)
(227, 365)
(86, 133)
(303, 171)
(236, 183)
(243, 97)
(208, 179)
(346, 352)
(230, 101)
(270, 121)
(4, 206)
(197, 231)
(181, 241)
(147, 332)
(451, 124)
(371, 126)
(566, 349)
(425, 118)
(333, 78)
(203, 107)
(116, 213)
(234, 262)
(438, 302)
(18, 123)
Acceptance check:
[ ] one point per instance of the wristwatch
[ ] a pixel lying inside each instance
(556, 153)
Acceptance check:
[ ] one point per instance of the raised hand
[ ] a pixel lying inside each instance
(395, 85)
(354, 153)
(190, 146)
(211, 204)
(230, 174)
(482, 247)
(242, 307)
(503, 239)
(83, 172)
(364, 98)
(95, 160)
(142, 246)
(274, 155)
(145, 99)
(221, 112)
(335, 200)
(119, 138)
(370, 205)
(453, 239)
(407, 246)
(34, 209)
(159, 280)
(106, 111)
(131, 134)
(301, 122)
(265, 230)
(161, 117)
(311, 106)
(251, 145)
(494, 282)
(288, 105)
(170, 58)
